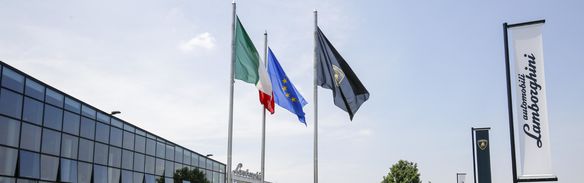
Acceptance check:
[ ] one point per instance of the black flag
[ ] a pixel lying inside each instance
(483, 155)
(335, 74)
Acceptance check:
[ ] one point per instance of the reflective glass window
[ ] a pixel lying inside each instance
(10, 103)
(54, 97)
(140, 144)
(187, 157)
(149, 135)
(127, 176)
(117, 123)
(53, 117)
(177, 166)
(102, 117)
(201, 162)
(222, 168)
(160, 149)
(12, 80)
(208, 175)
(72, 105)
(49, 167)
(71, 123)
(195, 159)
(86, 150)
(99, 174)
(84, 172)
(115, 157)
(101, 152)
(87, 111)
(7, 180)
(87, 128)
(8, 161)
(30, 137)
(113, 175)
(159, 167)
(33, 111)
(215, 177)
(9, 131)
(178, 154)
(169, 152)
(149, 179)
(168, 169)
(127, 159)
(51, 142)
(68, 170)
(128, 127)
(116, 137)
(102, 132)
(29, 164)
(69, 146)
(140, 132)
(150, 147)
(138, 162)
(128, 140)
(209, 164)
(149, 164)
(34, 89)
(138, 177)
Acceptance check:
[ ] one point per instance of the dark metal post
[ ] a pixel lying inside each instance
(510, 104)
(474, 166)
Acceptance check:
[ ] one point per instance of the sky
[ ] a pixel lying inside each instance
(434, 69)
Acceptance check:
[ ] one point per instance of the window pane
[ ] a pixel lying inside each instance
(12, 80)
(168, 169)
(87, 128)
(169, 152)
(8, 180)
(53, 117)
(101, 152)
(201, 162)
(178, 154)
(88, 111)
(187, 157)
(99, 174)
(29, 164)
(102, 117)
(9, 131)
(71, 123)
(209, 164)
(117, 123)
(150, 147)
(34, 89)
(72, 105)
(140, 132)
(127, 159)
(113, 175)
(150, 179)
(127, 176)
(69, 146)
(160, 149)
(150, 165)
(128, 140)
(86, 150)
(195, 159)
(102, 132)
(68, 170)
(54, 98)
(33, 111)
(10, 103)
(177, 166)
(51, 142)
(115, 157)
(138, 177)
(116, 137)
(140, 144)
(138, 162)
(49, 167)
(128, 127)
(84, 172)
(30, 137)
(8, 161)
(159, 167)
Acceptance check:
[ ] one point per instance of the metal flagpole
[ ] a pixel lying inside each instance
(510, 104)
(474, 166)
(315, 100)
(231, 82)
(264, 112)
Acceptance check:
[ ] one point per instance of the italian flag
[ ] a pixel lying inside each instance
(248, 67)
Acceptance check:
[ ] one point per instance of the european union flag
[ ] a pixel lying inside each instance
(285, 94)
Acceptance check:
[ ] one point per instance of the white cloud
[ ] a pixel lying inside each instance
(204, 40)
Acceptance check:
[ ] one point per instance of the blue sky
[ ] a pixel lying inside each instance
(434, 70)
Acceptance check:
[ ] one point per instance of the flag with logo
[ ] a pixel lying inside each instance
(285, 94)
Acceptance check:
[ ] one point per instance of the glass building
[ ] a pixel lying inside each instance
(49, 136)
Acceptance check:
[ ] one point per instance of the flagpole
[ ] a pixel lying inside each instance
(315, 101)
(264, 112)
(231, 82)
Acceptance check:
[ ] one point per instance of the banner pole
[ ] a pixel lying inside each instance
(264, 112)
(231, 83)
(510, 104)
(474, 166)
(315, 100)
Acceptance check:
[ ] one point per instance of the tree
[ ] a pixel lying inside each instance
(193, 176)
(403, 172)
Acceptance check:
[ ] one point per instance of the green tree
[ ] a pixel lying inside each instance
(403, 172)
(193, 176)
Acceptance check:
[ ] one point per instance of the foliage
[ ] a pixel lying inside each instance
(193, 176)
(403, 172)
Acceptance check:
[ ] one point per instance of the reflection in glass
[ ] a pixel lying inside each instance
(68, 170)
(69, 146)
(104, 118)
(12, 80)
(102, 132)
(54, 98)
(127, 159)
(101, 152)
(9, 131)
(71, 123)
(88, 111)
(84, 172)
(35, 90)
(168, 169)
(30, 137)
(29, 164)
(113, 174)
(116, 137)
(169, 152)
(51, 142)
(150, 165)
(160, 149)
(115, 157)
(99, 174)
(72, 105)
(138, 177)
(87, 128)
(138, 162)
(33, 111)
(8, 161)
(150, 179)
(150, 147)
(49, 167)
(140, 144)
(53, 117)
(10, 103)
(128, 140)
(117, 123)
(86, 150)
(178, 154)
(127, 176)
(159, 167)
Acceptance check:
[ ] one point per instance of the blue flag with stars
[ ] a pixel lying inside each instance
(285, 94)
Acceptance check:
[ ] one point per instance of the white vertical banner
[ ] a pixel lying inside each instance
(460, 177)
(531, 105)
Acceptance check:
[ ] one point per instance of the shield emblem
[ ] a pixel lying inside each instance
(339, 75)
(483, 143)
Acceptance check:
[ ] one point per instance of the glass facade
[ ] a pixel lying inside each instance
(49, 136)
